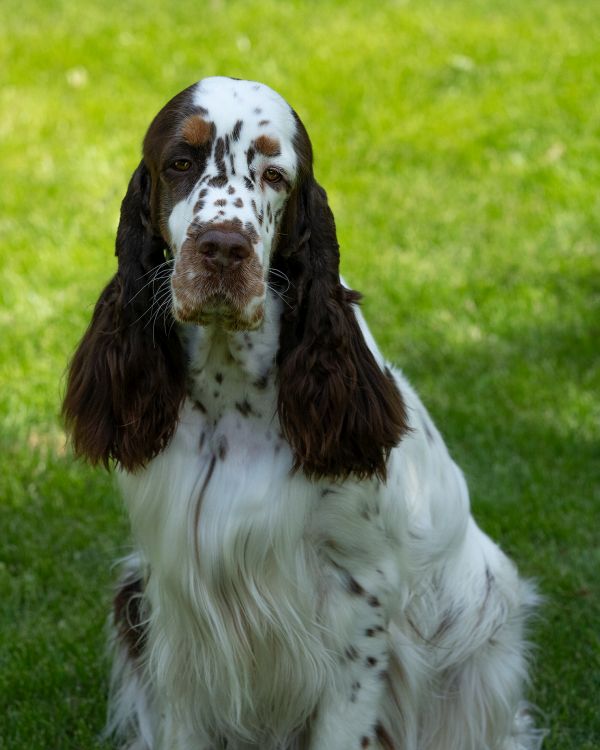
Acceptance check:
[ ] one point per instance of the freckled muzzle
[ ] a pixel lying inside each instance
(218, 278)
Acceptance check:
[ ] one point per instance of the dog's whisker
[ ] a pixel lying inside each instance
(166, 291)
(281, 295)
(160, 276)
(160, 266)
(279, 274)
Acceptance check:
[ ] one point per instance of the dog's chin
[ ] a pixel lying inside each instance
(221, 314)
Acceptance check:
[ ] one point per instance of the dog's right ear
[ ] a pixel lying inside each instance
(126, 380)
(340, 411)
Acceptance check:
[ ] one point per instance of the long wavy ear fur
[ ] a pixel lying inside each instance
(339, 411)
(126, 380)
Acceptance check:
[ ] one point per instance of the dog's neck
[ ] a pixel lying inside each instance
(233, 370)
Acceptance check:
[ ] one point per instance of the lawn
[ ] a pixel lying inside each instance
(459, 141)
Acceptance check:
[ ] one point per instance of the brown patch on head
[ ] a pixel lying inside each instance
(267, 146)
(196, 131)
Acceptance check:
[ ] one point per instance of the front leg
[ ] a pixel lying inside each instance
(348, 715)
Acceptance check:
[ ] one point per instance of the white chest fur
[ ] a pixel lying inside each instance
(234, 573)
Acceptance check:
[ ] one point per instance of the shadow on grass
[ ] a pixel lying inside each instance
(62, 528)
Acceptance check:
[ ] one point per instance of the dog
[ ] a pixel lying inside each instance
(307, 572)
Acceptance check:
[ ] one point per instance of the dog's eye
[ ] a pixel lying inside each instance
(181, 165)
(272, 175)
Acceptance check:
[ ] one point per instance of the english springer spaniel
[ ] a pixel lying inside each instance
(307, 574)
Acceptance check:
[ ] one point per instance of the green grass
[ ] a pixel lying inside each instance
(459, 142)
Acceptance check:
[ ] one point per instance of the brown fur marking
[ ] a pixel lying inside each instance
(267, 146)
(196, 131)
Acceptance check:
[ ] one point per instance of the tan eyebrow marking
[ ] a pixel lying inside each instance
(267, 146)
(196, 131)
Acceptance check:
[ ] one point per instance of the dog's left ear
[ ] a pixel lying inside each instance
(126, 380)
(339, 411)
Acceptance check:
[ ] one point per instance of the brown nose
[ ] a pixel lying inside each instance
(221, 249)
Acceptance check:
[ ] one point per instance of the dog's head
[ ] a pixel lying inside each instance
(223, 205)
(222, 158)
